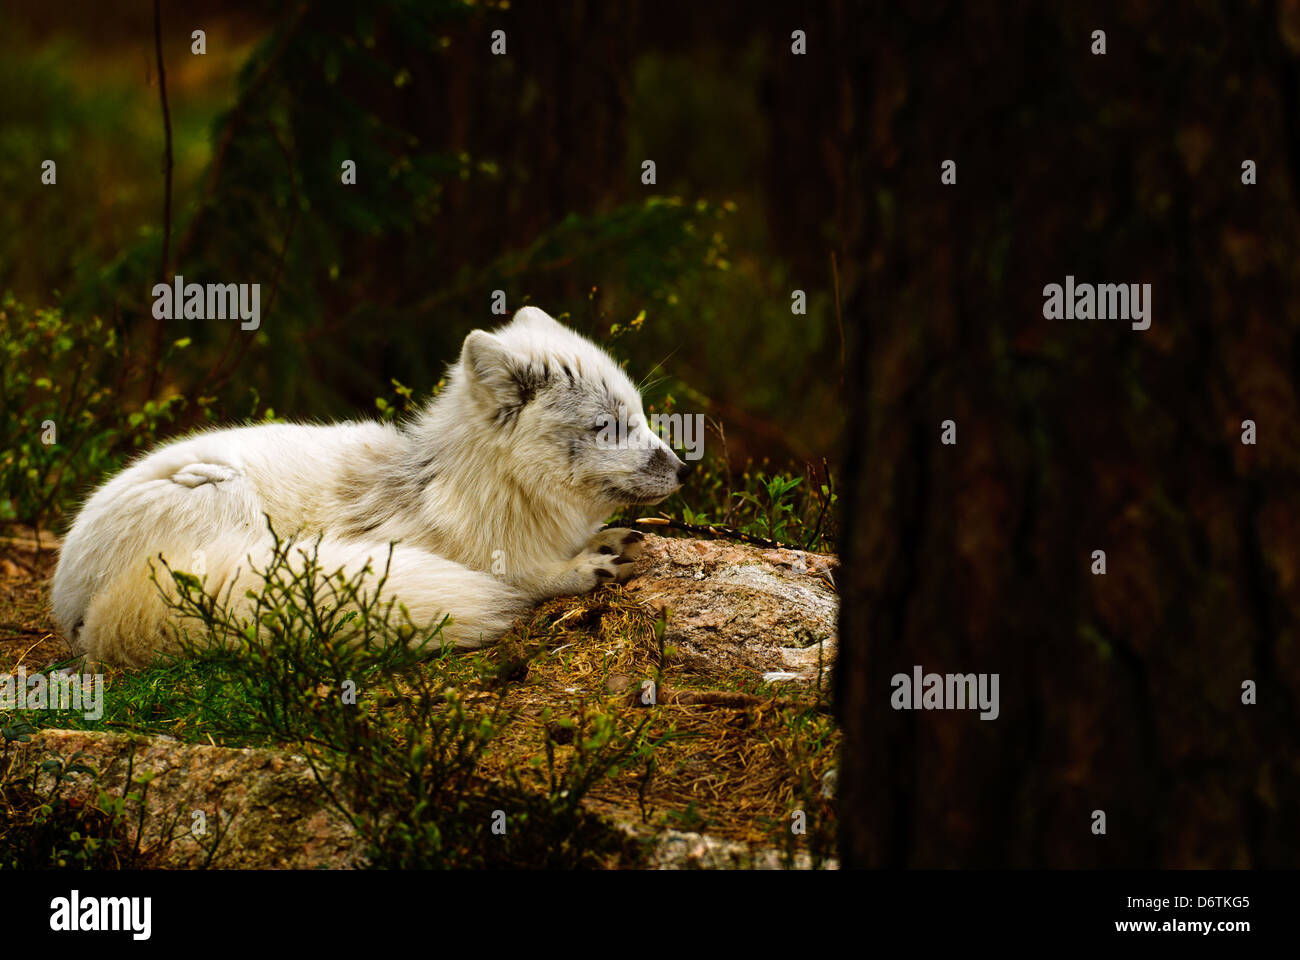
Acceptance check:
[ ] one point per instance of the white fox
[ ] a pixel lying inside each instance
(495, 494)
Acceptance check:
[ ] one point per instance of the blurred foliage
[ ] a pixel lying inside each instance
(473, 174)
(62, 424)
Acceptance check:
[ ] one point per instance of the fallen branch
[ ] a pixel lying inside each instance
(716, 532)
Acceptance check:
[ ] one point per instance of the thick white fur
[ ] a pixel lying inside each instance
(494, 494)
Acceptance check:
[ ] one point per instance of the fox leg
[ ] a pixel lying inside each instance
(607, 558)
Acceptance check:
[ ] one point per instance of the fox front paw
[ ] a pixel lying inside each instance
(607, 558)
(592, 568)
(621, 541)
(587, 571)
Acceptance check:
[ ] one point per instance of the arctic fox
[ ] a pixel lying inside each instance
(494, 494)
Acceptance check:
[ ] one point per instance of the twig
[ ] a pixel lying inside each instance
(726, 466)
(717, 532)
(22, 632)
(825, 501)
(155, 352)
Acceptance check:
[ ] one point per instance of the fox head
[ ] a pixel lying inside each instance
(562, 413)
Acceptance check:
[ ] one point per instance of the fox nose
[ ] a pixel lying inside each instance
(684, 470)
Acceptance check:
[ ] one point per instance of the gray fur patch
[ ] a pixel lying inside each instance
(372, 499)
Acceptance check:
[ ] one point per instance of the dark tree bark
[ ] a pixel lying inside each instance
(1123, 692)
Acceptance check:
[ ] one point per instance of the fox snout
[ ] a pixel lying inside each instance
(664, 462)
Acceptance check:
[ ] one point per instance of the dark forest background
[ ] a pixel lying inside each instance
(476, 172)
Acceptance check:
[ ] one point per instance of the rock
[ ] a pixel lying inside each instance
(737, 608)
(675, 850)
(268, 802)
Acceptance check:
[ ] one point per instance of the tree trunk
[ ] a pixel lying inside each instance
(1122, 692)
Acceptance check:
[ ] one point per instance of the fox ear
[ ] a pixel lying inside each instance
(490, 368)
(534, 317)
